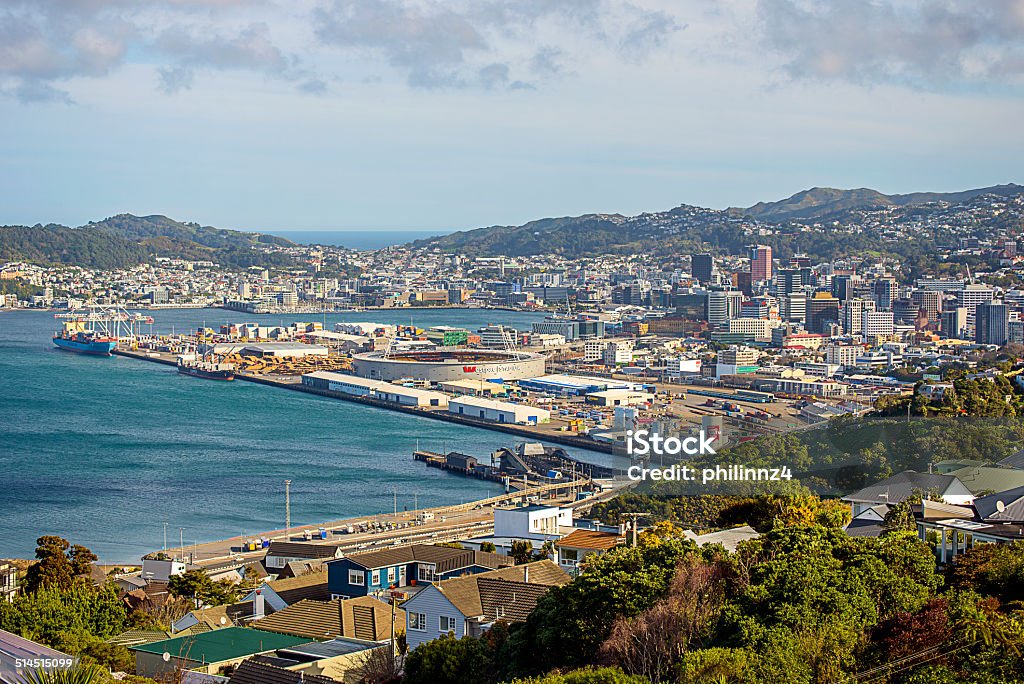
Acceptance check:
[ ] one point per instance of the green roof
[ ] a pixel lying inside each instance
(229, 643)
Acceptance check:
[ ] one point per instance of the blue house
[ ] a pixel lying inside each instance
(372, 572)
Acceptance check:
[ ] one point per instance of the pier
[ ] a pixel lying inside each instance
(294, 383)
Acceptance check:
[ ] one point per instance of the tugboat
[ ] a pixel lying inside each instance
(209, 370)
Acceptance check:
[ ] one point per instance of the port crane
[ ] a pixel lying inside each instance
(107, 320)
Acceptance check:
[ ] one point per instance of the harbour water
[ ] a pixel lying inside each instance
(104, 451)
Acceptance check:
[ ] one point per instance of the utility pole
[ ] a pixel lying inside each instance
(395, 490)
(165, 537)
(632, 527)
(181, 542)
(288, 508)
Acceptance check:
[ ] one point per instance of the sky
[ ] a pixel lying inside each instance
(453, 114)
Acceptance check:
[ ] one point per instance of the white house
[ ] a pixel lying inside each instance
(532, 522)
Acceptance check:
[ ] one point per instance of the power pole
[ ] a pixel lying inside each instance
(165, 537)
(288, 508)
(633, 524)
(181, 542)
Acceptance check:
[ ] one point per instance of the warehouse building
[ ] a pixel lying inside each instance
(375, 389)
(498, 411)
(575, 385)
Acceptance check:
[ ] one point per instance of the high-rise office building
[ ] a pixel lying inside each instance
(790, 280)
(760, 263)
(702, 266)
(885, 291)
(822, 310)
(991, 321)
(853, 312)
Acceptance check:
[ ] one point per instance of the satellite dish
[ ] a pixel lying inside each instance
(223, 620)
(1000, 506)
(166, 656)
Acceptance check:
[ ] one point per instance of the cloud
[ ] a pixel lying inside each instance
(251, 49)
(483, 43)
(45, 43)
(923, 43)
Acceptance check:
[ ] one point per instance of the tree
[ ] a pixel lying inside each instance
(521, 551)
(571, 622)
(196, 584)
(587, 675)
(488, 547)
(449, 660)
(652, 643)
(55, 567)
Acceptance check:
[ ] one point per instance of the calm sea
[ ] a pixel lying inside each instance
(358, 239)
(104, 451)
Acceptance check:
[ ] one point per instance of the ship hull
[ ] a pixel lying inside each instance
(89, 348)
(224, 376)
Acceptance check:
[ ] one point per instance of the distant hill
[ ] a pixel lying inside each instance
(688, 228)
(125, 240)
(821, 203)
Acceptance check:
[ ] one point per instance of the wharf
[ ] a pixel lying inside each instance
(533, 433)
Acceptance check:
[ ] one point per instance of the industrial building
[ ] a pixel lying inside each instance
(575, 385)
(375, 389)
(498, 411)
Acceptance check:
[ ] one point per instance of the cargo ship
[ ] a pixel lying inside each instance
(74, 339)
(207, 370)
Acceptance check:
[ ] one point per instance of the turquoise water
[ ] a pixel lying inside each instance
(104, 451)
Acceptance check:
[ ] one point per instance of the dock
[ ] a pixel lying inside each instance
(294, 383)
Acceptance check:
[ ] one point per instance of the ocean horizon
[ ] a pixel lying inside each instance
(368, 239)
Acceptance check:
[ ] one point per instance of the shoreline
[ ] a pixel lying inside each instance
(297, 386)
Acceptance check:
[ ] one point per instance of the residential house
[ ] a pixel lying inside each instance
(364, 618)
(281, 553)
(868, 523)
(213, 652)
(155, 570)
(903, 486)
(471, 605)
(532, 522)
(8, 580)
(267, 598)
(578, 545)
(256, 672)
(373, 572)
(729, 539)
(1013, 461)
(993, 519)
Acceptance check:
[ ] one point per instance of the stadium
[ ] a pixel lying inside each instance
(437, 365)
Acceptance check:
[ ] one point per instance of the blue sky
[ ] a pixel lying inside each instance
(453, 114)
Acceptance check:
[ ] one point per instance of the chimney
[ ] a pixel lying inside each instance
(526, 573)
(259, 607)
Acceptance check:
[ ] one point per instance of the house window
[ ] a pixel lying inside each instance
(417, 622)
(391, 575)
(425, 573)
(446, 624)
(357, 578)
(376, 577)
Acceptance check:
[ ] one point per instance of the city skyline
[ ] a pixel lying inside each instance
(459, 115)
